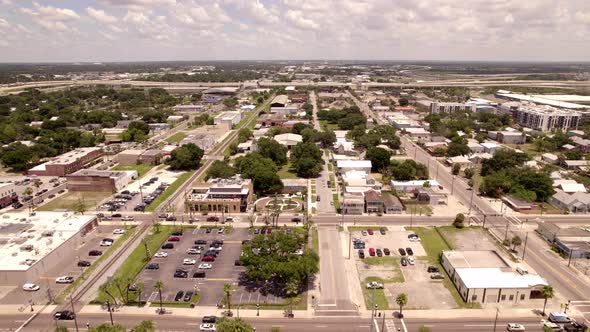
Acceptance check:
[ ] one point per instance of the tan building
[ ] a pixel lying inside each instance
(486, 277)
(67, 163)
(96, 180)
(231, 195)
(128, 157)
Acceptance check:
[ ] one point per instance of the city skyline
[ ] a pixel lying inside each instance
(168, 30)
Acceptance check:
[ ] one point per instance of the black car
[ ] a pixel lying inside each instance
(180, 274)
(432, 269)
(152, 266)
(256, 231)
(217, 243)
(379, 253)
(410, 251)
(94, 253)
(171, 218)
(237, 262)
(51, 196)
(188, 296)
(84, 263)
(139, 208)
(386, 251)
(263, 231)
(179, 296)
(17, 205)
(168, 246)
(361, 254)
(404, 261)
(402, 251)
(177, 233)
(382, 230)
(209, 319)
(61, 191)
(296, 220)
(116, 215)
(207, 230)
(199, 274)
(65, 315)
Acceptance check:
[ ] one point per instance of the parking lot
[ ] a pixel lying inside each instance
(48, 189)
(210, 287)
(68, 266)
(412, 278)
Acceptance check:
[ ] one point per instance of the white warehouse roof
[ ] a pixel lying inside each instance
(496, 278)
(354, 164)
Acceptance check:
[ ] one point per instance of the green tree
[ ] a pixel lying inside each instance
(227, 289)
(186, 157)
(503, 159)
(404, 101)
(516, 241)
(244, 134)
(220, 169)
(548, 293)
(459, 220)
(456, 169)
(307, 167)
(379, 157)
(233, 325)
(469, 172)
(140, 286)
(144, 326)
(401, 300)
(80, 206)
(269, 148)
(107, 327)
(457, 149)
(106, 289)
(159, 286)
(262, 171)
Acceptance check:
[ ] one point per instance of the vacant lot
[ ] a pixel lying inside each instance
(469, 238)
(141, 169)
(70, 199)
(176, 137)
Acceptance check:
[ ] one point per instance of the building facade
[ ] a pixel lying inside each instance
(67, 163)
(547, 118)
(440, 107)
(96, 180)
(8, 194)
(232, 195)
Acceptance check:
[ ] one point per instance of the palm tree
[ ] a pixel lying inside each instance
(159, 286)
(548, 292)
(105, 289)
(227, 288)
(292, 290)
(140, 287)
(401, 300)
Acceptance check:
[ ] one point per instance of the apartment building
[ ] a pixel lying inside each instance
(546, 118)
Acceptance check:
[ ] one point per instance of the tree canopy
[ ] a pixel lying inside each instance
(269, 148)
(186, 157)
(262, 171)
(379, 157)
(220, 169)
(307, 159)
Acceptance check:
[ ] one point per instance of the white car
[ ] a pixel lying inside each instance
(216, 248)
(193, 251)
(298, 252)
(119, 231)
(189, 261)
(205, 266)
(127, 218)
(64, 280)
(106, 243)
(411, 260)
(31, 287)
(514, 327)
(207, 327)
(161, 254)
(220, 231)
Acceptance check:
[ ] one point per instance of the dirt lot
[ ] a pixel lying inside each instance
(468, 238)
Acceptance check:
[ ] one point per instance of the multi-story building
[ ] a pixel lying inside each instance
(229, 119)
(440, 107)
(67, 163)
(8, 194)
(353, 203)
(230, 195)
(546, 118)
(96, 180)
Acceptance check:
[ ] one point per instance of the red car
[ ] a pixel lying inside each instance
(174, 239)
(372, 251)
(208, 259)
(370, 231)
(268, 231)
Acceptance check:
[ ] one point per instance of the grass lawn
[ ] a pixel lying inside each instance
(135, 263)
(169, 191)
(387, 261)
(287, 172)
(88, 271)
(141, 169)
(374, 296)
(315, 240)
(328, 126)
(419, 209)
(336, 202)
(434, 245)
(68, 200)
(330, 167)
(176, 138)
(299, 303)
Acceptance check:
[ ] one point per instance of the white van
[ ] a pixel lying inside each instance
(558, 317)
(522, 270)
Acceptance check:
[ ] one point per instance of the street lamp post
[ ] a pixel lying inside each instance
(496, 320)
(74, 311)
(110, 312)
(257, 309)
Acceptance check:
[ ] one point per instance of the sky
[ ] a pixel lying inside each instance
(164, 30)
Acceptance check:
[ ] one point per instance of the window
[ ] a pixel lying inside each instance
(503, 298)
(522, 297)
(473, 297)
(511, 298)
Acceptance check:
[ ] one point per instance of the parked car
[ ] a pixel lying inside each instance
(361, 254)
(180, 273)
(220, 230)
(374, 285)
(212, 218)
(404, 261)
(94, 253)
(379, 253)
(370, 231)
(107, 242)
(64, 315)
(161, 254)
(188, 296)
(64, 280)
(127, 218)
(199, 274)
(174, 239)
(432, 269)
(208, 259)
(207, 230)
(371, 251)
(514, 327)
(168, 246)
(297, 220)
(177, 233)
(437, 276)
(119, 231)
(116, 215)
(552, 327)
(558, 317)
(171, 218)
(386, 251)
(189, 261)
(31, 287)
(402, 251)
(410, 251)
(207, 327)
(84, 263)
(193, 251)
(152, 266)
(382, 230)
(205, 266)
(200, 242)
(413, 238)
(411, 260)
(179, 296)
(209, 319)
(364, 233)
(256, 231)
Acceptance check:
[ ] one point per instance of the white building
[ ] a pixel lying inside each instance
(188, 108)
(486, 277)
(546, 118)
(353, 165)
(289, 140)
(409, 186)
(440, 107)
(32, 245)
(175, 118)
(228, 119)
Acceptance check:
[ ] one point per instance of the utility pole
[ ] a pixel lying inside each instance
(496, 320)
(383, 322)
(453, 184)
(74, 311)
(110, 312)
(471, 202)
(524, 248)
(349, 240)
(506, 233)
(570, 258)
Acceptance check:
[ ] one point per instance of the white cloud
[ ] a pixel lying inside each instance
(254, 10)
(296, 17)
(55, 14)
(100, 15)
(4, 24)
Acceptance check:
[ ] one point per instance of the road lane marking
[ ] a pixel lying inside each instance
(478, 325)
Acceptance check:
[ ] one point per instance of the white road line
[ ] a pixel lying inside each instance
(404, 325)
(478, 325)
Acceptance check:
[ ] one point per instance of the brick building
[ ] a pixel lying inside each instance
(95, 180)
(67, 163)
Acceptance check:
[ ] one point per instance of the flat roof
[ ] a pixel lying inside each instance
(475, 259)
(67, 158)
(496, 278)
(26, 240)
(540, 99)
(353, 163)
(102, 174)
